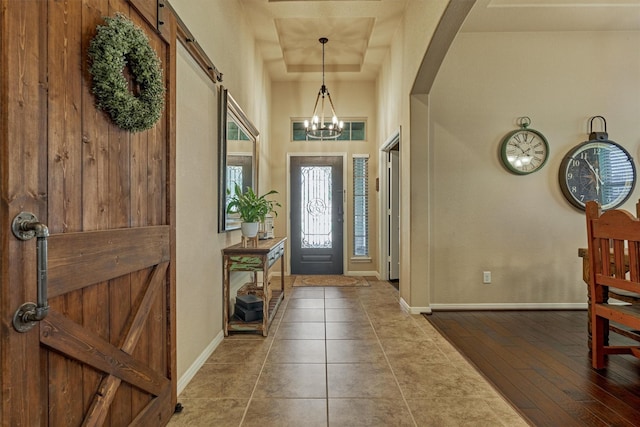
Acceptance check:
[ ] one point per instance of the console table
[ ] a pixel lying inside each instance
(254, 258)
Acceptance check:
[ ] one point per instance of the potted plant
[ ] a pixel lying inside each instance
(251, 208)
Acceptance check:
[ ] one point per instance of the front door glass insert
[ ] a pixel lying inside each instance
(316, 207)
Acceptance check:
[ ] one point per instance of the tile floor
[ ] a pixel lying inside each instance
(341, 357)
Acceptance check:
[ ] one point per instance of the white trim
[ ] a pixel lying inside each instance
(492, 306)
(360, 156)
(363, 273)
(510, 306)
(186, 378)
(391, 141)
(413, 310)
(383, 201)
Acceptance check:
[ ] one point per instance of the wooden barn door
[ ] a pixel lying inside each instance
(105, 353)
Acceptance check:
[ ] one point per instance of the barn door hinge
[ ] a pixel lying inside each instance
(25, 226)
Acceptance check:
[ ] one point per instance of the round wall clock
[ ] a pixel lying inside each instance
(524, 150)
(598, 169)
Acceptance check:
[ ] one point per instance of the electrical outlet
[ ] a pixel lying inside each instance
(486, 277)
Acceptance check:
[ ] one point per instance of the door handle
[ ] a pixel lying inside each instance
(341, 206)
(25, 226)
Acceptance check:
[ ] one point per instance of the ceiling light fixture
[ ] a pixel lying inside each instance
(317, 128)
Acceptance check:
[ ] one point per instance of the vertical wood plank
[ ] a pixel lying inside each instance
(170, 203)
(119, 216)
(147, 9)
(65, 114)
(140, 399)
(119, 202)
(95, 135)
(119, 309)
(94, 193)
(139, 208)
(139, 148)
(156, 200)
(156, 195)
(64, 185)
(23, 87)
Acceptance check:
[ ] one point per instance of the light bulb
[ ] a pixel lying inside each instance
(334, 119)
(306, 124)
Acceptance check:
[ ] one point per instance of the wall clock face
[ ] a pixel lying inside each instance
(597, 170)
(524, 151)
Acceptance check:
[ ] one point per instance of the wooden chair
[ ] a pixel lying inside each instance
(628, 297)
(614, 246)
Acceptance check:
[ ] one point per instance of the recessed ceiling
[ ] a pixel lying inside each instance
(345, 50)
(360, 32)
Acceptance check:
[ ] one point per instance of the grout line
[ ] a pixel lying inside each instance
(326, 355)
(386, 357)
(273, 331)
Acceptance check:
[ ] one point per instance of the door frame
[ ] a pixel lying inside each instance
(346, 219)
(383, 164)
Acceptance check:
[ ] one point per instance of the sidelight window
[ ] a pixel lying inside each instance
(361, 205)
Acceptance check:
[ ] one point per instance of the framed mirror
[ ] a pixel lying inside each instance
(238, 138)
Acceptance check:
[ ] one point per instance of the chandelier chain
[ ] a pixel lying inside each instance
(316, 128)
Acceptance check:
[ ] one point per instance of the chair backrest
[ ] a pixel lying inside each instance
(614, 247)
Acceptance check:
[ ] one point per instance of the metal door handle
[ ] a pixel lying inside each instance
(26, 226)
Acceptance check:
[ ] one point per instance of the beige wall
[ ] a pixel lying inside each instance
(199, 307)
(394, 84)
(519, 227)
(353, 100)
(219, 27)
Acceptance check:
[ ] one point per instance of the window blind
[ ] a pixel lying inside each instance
(360, 206)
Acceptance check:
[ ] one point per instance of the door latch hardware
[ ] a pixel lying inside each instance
(25, 226)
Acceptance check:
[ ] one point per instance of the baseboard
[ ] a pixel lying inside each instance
(186, 378)
(498, 306)
(363, 273)
(414, 310)
(509, 306)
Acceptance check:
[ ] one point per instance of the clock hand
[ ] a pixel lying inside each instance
(515, 145)
(595, 172)
(598, 176)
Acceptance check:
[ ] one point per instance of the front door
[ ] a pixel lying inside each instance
(105, 352)
(317, 211)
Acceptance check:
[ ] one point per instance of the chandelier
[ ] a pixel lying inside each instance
(318, 128)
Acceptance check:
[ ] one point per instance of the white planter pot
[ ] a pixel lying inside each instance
(249, 229)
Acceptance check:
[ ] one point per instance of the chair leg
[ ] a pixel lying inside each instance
(600, 327)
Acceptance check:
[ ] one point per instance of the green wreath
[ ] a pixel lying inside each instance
(116, 44)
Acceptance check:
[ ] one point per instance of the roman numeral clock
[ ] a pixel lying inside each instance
(524, 151)
(598, 169)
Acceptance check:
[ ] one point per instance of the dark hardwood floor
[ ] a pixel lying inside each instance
(539, 360)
